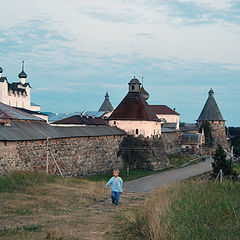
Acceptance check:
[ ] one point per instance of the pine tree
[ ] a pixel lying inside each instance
(220, 162)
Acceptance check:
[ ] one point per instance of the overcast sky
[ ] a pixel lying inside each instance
(76, 50)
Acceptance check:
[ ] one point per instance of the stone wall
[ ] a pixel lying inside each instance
(75, 156)
(156, 155)
(170, 142)
(219, 133)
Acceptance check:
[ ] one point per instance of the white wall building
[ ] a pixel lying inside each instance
(134, 115)
(16, 94)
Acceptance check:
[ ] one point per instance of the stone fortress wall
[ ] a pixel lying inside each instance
(80, 156)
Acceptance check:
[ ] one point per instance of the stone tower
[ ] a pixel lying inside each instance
(211, 114)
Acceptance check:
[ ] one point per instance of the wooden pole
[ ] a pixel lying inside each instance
(220, 175)
(56, 164)
(47, 156)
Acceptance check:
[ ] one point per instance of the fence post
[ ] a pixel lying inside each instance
(47, 156)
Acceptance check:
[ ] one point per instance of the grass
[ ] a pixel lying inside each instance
(176, 160)
(20, 181)
(236, 166)
(33, 204)
(21, 229)
(186, 210)
(179, 159)
(134, 174)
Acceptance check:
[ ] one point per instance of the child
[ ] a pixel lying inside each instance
(116, 186)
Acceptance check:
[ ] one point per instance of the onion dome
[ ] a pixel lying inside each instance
(1, 70)
(22, 74)
(144, 93)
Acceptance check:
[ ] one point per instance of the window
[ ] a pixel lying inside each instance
(137, 131)
(132, 87)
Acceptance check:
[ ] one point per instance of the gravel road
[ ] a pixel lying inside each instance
(148, 183)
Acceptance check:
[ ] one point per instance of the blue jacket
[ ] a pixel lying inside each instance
(116, 184)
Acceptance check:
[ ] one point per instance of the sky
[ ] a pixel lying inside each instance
(76, 50)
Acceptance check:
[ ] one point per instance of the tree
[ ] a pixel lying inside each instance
(132, 152)
(220, 162)
(206, 126)
(235, 143)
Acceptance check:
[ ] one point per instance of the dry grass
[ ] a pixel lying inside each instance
(49, 210)
(186, 210)
(151, 219)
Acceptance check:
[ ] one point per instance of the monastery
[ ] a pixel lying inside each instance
(17, 94)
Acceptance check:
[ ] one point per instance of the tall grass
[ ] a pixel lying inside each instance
(187, 210)
(19, 181)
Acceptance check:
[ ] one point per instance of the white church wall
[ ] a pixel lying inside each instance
(170, 118)
(136, 128)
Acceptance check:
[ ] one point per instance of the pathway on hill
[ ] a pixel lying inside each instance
(148, 183)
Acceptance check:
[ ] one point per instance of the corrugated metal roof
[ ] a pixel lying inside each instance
(166, 130)
(210, 111)
(22, 131)
(53, 117)
(82, 120)
(7, 112)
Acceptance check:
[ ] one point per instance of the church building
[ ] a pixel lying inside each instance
(134, 115)
(17, 94)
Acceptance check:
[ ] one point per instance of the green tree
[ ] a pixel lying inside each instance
(131, 149)
(206, 126)
(235, 143)
(220, 162)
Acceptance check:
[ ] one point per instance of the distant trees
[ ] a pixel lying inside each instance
(220, 162)
(235, 143)
(206, 126)
(234, 131)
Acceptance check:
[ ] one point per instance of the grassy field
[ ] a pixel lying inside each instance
(186, 210)
(34, 206)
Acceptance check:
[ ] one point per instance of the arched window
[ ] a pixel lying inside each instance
(136, 131)
(132, 87)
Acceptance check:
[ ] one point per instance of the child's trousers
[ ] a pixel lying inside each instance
(115, 197)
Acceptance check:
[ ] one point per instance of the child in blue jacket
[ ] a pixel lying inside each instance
(116, 186)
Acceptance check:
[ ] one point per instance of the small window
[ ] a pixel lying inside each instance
(132, 87)
(137, 131)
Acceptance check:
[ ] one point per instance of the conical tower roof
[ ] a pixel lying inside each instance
(210, 111)
(106, 106)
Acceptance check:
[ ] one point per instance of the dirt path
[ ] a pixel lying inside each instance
(92, 222)
(101, 215)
